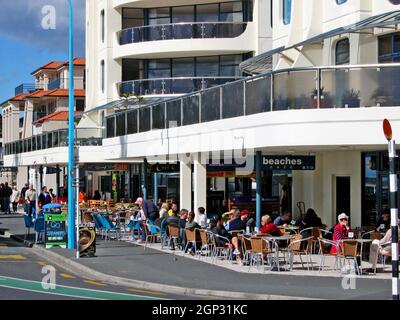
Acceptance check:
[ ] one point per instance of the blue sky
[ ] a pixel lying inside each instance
(25, 45)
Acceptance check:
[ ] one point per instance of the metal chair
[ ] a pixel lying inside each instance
(205, 243)
(173, 232)
(246, 249)
(350, 252)
(152, 232)
(260, 248)
(220, 245)
(28, 225)
(295, 248)
(324, 251)
(39, 229)
(190, 239)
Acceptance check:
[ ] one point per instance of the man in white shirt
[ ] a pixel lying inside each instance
(201, 217)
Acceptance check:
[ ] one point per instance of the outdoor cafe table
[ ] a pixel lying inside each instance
(275, 240)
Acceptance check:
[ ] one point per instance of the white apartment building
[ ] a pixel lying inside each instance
(164, 79)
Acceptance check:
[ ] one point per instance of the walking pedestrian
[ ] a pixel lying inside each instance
(14, 199)
(23, 190)
(44, 197)
(6, 198)
(30, 200)
(1, 196)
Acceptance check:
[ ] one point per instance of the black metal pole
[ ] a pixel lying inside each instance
(394, 219)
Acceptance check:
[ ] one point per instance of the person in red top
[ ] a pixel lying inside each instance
(267, 227)
(341, 231)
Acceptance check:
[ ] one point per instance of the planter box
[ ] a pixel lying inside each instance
(351, 103)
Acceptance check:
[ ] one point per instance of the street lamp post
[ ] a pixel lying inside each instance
(71, 138)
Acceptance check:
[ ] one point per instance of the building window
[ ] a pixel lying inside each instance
(342, 52)
(102, 26)
(80, 105)
(102, 73)
(132, 17)
(341, 1)
(389, 48)
(287, 11)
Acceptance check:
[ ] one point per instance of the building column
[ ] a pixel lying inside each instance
(199, 184)
(185, 185)
(258, 189)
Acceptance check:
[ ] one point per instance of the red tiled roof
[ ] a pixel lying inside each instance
(19, 97)
(55, 65)
(56, 116)
(56, 93)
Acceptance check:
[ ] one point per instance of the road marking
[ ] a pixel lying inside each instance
(36, 286)
(12, 256)
(95, 283)
(145, 291)
(67, 276)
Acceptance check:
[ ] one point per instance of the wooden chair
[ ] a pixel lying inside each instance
(351, 252)
(205, 242)
(173, 232)
(190, 238)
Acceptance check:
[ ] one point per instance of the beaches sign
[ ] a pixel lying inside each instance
(283, 162)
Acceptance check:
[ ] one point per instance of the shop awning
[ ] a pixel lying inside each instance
(263, 62)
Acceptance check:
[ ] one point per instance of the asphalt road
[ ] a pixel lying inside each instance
(24, 276)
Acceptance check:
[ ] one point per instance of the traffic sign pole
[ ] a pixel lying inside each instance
(77, 210)
(393, 208)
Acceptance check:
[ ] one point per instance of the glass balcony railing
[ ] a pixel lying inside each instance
(170, 85)
(54, 139)
(292, 89)
(27, 88)
(192, 30)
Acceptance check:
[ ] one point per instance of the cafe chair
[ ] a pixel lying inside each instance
(260, 248)
(39, 229)
(28, 225)
(373, 235)
(205, 243)
(350, 252)
(384, 255)
(173, 237)
(190, 239)
(108, 226)
(301, 247)
(152, 232)
(220, 246)
(246, 250)
(324, 251)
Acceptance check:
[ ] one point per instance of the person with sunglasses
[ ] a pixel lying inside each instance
(340, 231)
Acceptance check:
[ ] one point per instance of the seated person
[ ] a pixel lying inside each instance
(267, 227)
(284, 219)
(384, 221)
(192, 225)
(236, 223)
(310, 220)
(383, 246)
(219, 229)
(340, 231)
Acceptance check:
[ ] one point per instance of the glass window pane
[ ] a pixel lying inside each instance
(158, 114)
(342, 54)
(183, 67)
(174, 113)
(258, 95)
(110, 127)
(132, 122)
(232, 100)
(55, 139)
(287, 11)
(144, 119)
(183, 14)
(120, 118)
(49, 140)
(207, 66)
(385, 45)
(210, 105)
(190, 110)
(207, 13)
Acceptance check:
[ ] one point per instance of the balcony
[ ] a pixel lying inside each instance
(174, 31)
(54, 139)
(27, 88)
(179, 85)
(338, 87)
(62, 83)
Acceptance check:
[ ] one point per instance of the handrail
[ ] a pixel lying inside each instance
(278, 97)
(141, 31)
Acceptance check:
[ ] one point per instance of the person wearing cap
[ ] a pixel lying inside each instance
(236, 223)
(340, 231)
(383, 246)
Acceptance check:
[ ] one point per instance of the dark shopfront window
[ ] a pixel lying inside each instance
(233, 11)
(375, 186)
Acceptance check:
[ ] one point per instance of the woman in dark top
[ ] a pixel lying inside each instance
(97, 195)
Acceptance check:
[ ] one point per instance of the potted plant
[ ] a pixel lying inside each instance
(351, 99)
(325, 100)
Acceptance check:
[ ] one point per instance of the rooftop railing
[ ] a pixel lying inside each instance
(54, 139)
(292, 89)
(192, 30)
(179, 85)
(27, 88)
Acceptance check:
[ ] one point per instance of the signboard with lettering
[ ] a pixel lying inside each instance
(278, 162)
(8, 169)
(55, 233)
(163, 167)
